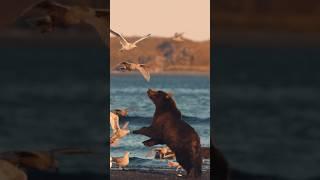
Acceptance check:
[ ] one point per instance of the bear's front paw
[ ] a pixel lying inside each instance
(149, 142)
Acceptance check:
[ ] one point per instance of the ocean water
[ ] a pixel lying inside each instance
(191, 93)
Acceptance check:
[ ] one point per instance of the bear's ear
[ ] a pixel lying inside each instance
(169, 95)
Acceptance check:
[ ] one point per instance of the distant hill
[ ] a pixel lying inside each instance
(164, 54)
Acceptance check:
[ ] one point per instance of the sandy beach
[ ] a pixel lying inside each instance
(133, 174)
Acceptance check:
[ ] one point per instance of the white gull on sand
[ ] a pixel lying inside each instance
(122, 161)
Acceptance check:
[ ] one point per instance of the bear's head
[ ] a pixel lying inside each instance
(161, 99)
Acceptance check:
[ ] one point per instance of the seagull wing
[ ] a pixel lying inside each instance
(114, 121)
(122, 39)
(141, 39)
(119, 67)
(125, 126)
(145, 73)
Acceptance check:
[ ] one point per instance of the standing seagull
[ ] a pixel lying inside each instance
(62, 16)
(127, 66)
(163, 153)
(125, 44)
(122, 161)
(177, 166)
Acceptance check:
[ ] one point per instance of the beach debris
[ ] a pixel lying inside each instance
(62, 16)
(178, 37)
(162, 153)
(9, 171)
(125, 45)
(117, 132)
(122, 162)
(128, 66)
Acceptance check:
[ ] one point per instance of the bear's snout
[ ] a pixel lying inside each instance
(151, 92)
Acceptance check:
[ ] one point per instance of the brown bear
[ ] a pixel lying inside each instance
(168, 128)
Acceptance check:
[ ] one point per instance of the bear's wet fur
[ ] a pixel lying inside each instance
(168, 128)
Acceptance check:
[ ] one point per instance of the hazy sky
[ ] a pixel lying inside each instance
(161, 17)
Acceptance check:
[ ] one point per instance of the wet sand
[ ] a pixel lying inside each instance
(154, 175)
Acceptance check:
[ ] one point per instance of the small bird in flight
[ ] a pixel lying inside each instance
(128, 66)
(178, 37)
(120, 112)
(126, 46)
(117, 132)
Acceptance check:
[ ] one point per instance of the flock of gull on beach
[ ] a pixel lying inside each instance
(57, 15)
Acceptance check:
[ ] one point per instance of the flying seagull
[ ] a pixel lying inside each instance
(120, 112)
(125, 44)
(178, 37)
(128, 66)
(117, 131)
(62, 16)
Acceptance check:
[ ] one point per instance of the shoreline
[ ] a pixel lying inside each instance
(186, 73)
